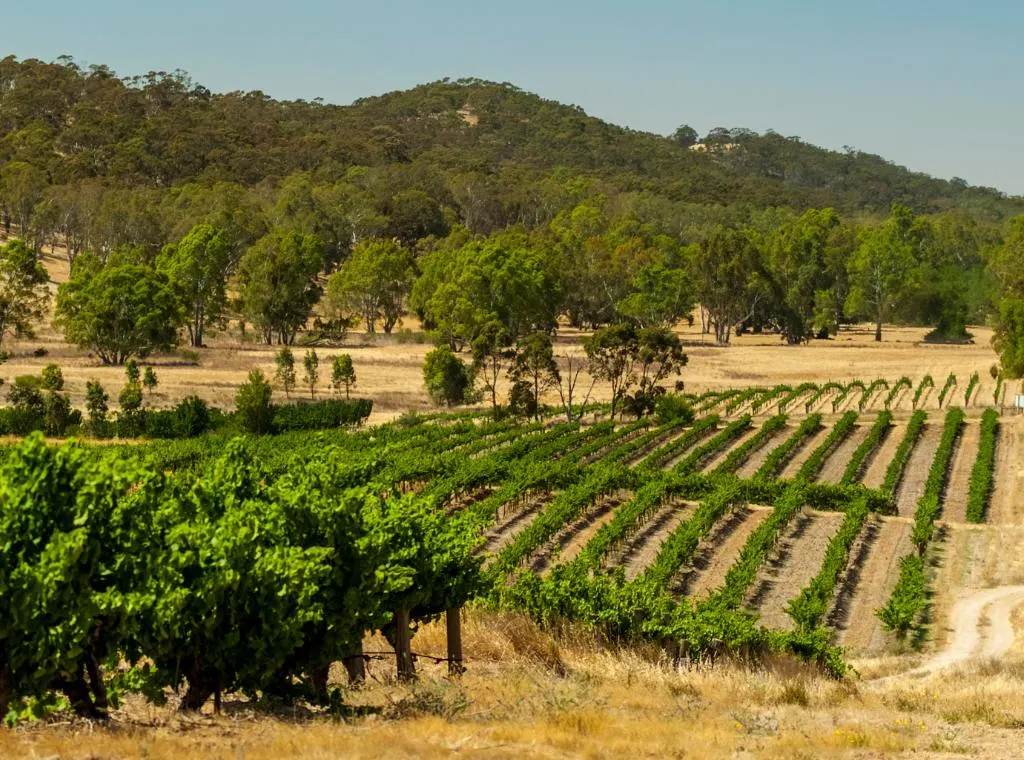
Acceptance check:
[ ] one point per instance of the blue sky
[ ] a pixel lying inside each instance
(930, 85)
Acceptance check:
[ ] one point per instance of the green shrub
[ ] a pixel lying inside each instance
(253, 404)
(322, 415)
(448, 378)
(673, 407)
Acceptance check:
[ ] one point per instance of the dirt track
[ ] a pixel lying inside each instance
(796, 560)
(954, 502)
(877, 576)
(982, 629)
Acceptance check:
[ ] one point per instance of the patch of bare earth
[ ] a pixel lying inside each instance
(796, 560)
(717, 553)
(872, 582)
(640, 551)
(873, 472)
(571, 539)
(916, 473)
(835, 463)
(954, 502)
(753, 464)
(803, 452)
(719, 456)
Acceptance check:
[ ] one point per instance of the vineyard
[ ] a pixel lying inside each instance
(785, 519)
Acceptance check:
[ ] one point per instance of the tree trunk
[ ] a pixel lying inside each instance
(403, 646)
(878, 331)
(99, 689)
(453, 624)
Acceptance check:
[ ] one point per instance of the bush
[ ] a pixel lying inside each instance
(189, 419)
(673, 407)
(253, 404)
(448, 378)
(322, 415)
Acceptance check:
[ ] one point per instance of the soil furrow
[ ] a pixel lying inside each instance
(719, 551)
(753, 464)
(1006, 505)
(571, 539)
(916, 473)
(803, 452)
(512, 523)
(873, 582)
(954, 501)
(719, 456)
(641, 550)
(835, 463)
(873, 474)
(796, 560)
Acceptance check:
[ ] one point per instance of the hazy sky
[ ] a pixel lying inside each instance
(932, 85)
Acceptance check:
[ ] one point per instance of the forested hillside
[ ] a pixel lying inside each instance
(468, 143)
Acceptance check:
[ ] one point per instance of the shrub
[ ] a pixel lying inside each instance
(57, 414)
(40, 352)
(52, 379)
(253, 404)
(130, 422)
(448, 378)
(323, 415)
(673, 407)
(149, 380)
(96, 406)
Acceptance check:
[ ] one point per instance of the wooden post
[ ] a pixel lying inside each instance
(403, 646)
(453, 623)
(355, 666)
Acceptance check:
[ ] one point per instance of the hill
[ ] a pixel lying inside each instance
(482, 149)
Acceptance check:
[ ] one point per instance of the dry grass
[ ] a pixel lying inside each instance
(528, 694)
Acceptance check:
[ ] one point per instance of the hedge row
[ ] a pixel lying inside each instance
(930, 503)
(983, 470)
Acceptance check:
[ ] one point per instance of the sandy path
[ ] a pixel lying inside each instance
(753, 464)
(1006, 505)
(641, 550)
(796, 560)
(916, 473)
(718, 552)
(873, 473)
(835, 463)
(803, 452)
(954, 500)
(712, 461)
(571, 539)
(873, 581)
(988, 609)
